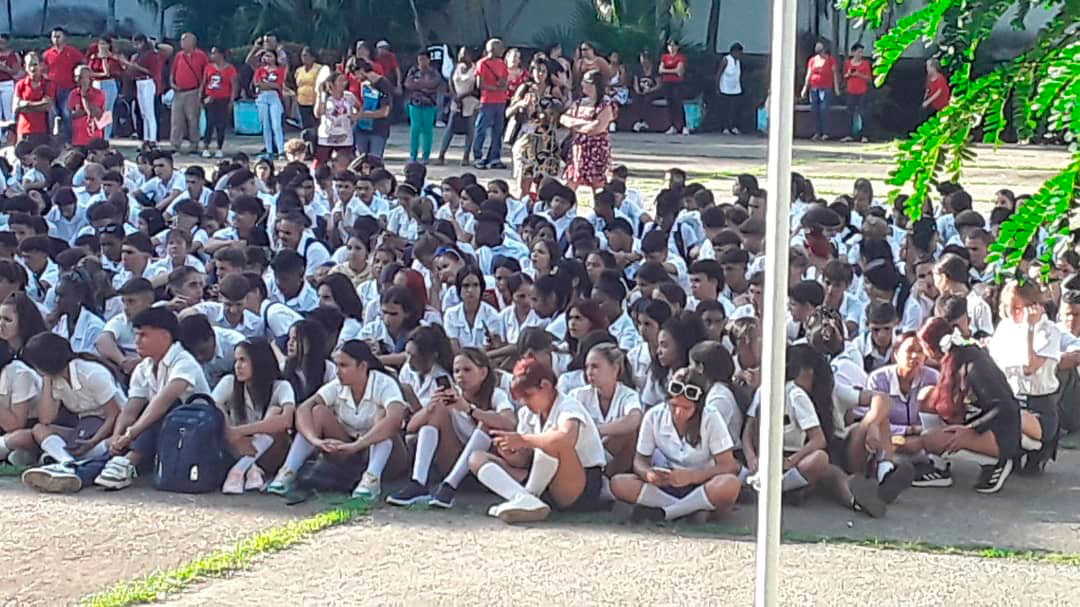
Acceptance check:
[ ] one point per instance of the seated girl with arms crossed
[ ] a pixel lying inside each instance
(610, 398)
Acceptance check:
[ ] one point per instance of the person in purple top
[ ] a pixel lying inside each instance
(908, 383)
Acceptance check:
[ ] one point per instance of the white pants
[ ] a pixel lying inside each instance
(146, 94)
(7, 100)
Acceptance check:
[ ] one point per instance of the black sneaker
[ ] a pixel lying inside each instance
(934, 477)
(896, 481)
(866, 498)
(443, 496)
(992, 478)
(413, 493)
(647, 514)
(497, 165)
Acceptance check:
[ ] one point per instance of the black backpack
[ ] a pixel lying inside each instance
(192, 455)
(123, 118)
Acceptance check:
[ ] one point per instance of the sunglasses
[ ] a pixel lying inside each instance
(690, 391)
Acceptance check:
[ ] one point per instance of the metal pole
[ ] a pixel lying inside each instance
(774, 336)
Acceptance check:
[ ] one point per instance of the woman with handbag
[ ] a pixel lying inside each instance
(537, 105)
(589, 158)
(462, 106)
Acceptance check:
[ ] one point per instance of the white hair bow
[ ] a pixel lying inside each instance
(952, 340)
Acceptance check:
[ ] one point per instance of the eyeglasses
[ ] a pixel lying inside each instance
(690, 391)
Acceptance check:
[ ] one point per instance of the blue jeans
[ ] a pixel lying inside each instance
(368, 142)
(63, 112)
(820, 101)
(111, 90)
(855, 105)
(271, 113)
(489, 116)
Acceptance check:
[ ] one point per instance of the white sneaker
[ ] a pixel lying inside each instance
(207, 154)
(368, 488)
(118, 473)
(734, 131)
(524, 508)
(685, 131)
(283, 482)
(254, 480)
(640, 126)
(234, 482)
(671, 131)
(21, 457)
(440, 124)
(219, 154)
(611, 127)
(54, 478)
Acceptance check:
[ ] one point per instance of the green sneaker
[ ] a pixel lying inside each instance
(283, 483)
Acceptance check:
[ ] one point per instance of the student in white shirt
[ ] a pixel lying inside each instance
(167, 183)
(292, 234)
(167, 375)
(360, 415)
(712, 359)
(697, 469)
(20, 387)
(952, 277)
(517, 315)
(455, 423)
(85, 387)
(428, 357)
(566, 448)
(42, 272)
(20, 319)
(305, 365)
(471, 323)
(259, 406)
(212, 346)
(610, 291)
(116, 343)
(66, 217)
(288, 285)
(612, 401)
(76, 319)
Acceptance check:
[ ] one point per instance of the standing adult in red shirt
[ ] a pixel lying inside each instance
(107, 67)
(187, 80)
(34, 99)
(937, 93)
(823, 85)
(60, 61)
(220, 88)
(493, 79)
(391, 70)
(10, 72)
(86, 105)
(672, 74)
(148, 63)
(857, 83)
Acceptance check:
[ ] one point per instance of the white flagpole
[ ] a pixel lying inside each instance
(774, 335)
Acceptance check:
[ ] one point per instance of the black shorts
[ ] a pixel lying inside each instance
(589, 500)
(679, 492)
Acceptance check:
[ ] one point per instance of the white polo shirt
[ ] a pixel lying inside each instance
(87, 329)
(623, 402)
(423, 387)
(280, 396)
(19, 383)
(123, 332)
(225, 342)
(799, 416)
(723, 401)
(304, 301)
(277, 319)
(251, 324)
(358, 419)
(92, 385)
(472, 336)
(589, 447)
(148, 378)
(658, 432)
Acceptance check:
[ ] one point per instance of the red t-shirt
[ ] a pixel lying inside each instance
(387, 63)
(941, 83)
(855, 85)
(670, 62)
(97, 65)
(187, 69)
(219, 81)
(33, 122)
(271, 75)
(822, 72)
(9, 59)
(154, 62)
(491, 70)
(84, 128)
(61, 65)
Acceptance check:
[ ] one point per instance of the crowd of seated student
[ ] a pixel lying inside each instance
(355, 330)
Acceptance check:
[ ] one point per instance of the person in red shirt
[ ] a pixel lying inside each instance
(493, 79)
(187, 80)
(269, 83)
(33, 99)
(148, 63)
(87, 106)
(10, 72)
(937, 92)
(219, 92)
(107, 67)
(823, 85)
(672, 74)
(857, 82)
(388, 62)
(60, 61)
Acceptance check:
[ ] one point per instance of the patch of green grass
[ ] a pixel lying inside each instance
(227, 560)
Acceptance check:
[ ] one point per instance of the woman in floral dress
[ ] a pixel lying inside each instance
(536, 150)
(590, 147)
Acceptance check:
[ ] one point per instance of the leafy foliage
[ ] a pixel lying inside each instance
(1041, 85)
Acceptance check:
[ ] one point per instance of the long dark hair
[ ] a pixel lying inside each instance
(689, 376)
(589, 342)
(801, 357)
(687, 330)
(344, 293)
(360, 352)
(264, 372)
(968, 369)
(413, 312)
(486, 391)
(50, 354)
(30, 321)
(311, 359)
(432, 341)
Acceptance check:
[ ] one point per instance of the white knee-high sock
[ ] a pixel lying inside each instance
(261, 442)
(543, 470)
(99, 450)
(696, 501)
(378, 455)
(744, 473)
(57, 448)
(427, 440)
(498, 480)
(478, 441)
(793, 479)
(3, 447)
(654, 497)
(299, 451)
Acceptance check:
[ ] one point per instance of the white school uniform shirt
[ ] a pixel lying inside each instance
(464, 425)
(350, 330)
(916, 310)
(148, 378)
(475, 336)
(225, 342)
(516, 212)
(304, 301)
(625, 332)
(729, 308)
(658, 433)
(979, 314)
(87, 329)
(281, 395)
(399, 222)
(203, 199)
(424, 387)
(556, 326)
(723, 401)
(358, 418)
(277, 318)
(369, 295)
(509, 325)
(165, 265)
(92, 385)
(570, 381)
(561, 224)
(623, 402)
(799, 415)
(19, 383)
(640, 360)
(122, 331)
(251, 324)
(63, 228)
(158, 189)
(1008, 348)
(589, 447)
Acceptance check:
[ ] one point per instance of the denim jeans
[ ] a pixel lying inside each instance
(63, 112)
(489, 116)
(111, 90)
(271, 113)
(368, 142)
(820, 101)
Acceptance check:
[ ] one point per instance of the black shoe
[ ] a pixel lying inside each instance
(896, 482)
(496, 165)
(865, 497)
(480, 165)
(1033, 464)
(413, 493)
(647, 514)
(443, 496)
(992, 478)
(934, 477)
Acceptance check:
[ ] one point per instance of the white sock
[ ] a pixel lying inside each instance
(299, 451)
(793, 479)
(695, 502)
(378, 455)
(3, 447)
(478, 441)
(99, 450)
(543, 470)
(427, 440)
(654, 497)
(57, 448)
(261, 442)
(744, 473)
(883, 469)
(498, 480)
(605, 489)
(938, 461)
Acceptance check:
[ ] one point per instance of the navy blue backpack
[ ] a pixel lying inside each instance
(192, 455)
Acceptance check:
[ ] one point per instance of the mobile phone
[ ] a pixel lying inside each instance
(443, 382)
(662, 469)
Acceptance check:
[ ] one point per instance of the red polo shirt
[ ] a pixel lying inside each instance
(153, 61)
(29, 123)
(11, 60)
(97, 65)
(61, 65)
(187, 69)
(84, 128)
